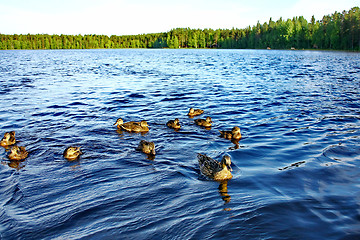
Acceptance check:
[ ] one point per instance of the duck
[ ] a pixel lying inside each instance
(175, 124)
(204, 122)
(132, 126)
(135, 126)
(234, 134)
(18, 153)
(72, 153)
(219, 171)
(146, 147)
(8, 139)
(195, 112)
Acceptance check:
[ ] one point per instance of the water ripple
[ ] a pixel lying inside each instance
(296, 167)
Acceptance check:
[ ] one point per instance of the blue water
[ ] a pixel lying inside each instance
(296, 169)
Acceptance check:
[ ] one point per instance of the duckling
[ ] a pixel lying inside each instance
(175, 124)
(72, 153)
(135, 126)
(146, 147)
(17, 153)
(8, 139)
(195, 112)
(204, 122)
(234, 134)
(213, 169)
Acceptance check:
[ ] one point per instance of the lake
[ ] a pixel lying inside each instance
(295, 172)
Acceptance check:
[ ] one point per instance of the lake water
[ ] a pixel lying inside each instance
(296, 169)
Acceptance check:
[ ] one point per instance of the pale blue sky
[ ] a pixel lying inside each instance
(126, 17)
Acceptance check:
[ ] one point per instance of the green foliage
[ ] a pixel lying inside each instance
(337, 31)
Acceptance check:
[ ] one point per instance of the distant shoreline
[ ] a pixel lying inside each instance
(314, 50)
(338, 31)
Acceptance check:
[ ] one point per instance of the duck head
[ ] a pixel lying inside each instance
(9, 135)
(152, 148)
(8, 139)
(208, 119)
(235, 130)
(15, 150)
(226, 161)
(176, 124)
(144, 124)
(119, 122)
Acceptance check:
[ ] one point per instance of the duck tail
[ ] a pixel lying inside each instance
(201, 157)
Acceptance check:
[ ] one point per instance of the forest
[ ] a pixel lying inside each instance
(338, 31)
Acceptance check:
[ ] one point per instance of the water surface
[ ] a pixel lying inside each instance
(296, 169)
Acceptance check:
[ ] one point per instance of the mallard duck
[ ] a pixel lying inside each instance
(195, 112)
(234, 134)
(204, 122)
(175, 124)
(72, 153)
(213, 169)
(17, 153)
(8, 139)
(146, 147)
(132, 126)
(135, 126)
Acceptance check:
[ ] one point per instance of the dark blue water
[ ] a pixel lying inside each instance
(296, 169)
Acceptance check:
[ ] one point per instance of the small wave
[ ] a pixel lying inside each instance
(136, 95)
(296, 165)
(77, 104)
(172, 99)
(340, 153)
(293, 165)
(57, 106)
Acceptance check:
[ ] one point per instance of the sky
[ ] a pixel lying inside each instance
(131, 17)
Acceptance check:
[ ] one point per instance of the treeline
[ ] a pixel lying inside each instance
(339, 31)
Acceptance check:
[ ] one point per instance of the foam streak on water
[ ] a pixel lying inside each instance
(296, 170)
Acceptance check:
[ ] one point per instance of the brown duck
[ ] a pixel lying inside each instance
(72, 153)
(234, 134)
(204, 122)
(146, 147)
(175, 124)
(213, 169)
(132, 126)
(195, 112)
(17, 153)
(8, 139)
